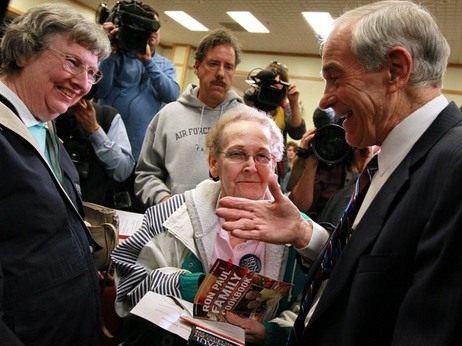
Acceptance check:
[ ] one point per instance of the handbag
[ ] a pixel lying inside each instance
(103, 224)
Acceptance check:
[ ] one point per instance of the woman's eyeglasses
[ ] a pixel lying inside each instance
(75, 66)
(239, 156)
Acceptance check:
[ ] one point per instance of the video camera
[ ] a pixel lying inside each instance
(328, 144)
(134, 22)
(263, 94)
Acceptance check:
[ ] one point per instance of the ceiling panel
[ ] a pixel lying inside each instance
(289, 33)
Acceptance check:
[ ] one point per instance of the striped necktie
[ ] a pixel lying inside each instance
(332, 250)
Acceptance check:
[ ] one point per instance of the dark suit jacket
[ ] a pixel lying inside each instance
(49, 292)
(399, 279)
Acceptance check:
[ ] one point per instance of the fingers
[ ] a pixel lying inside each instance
(244, 323)
(254, 331)
(307, 138)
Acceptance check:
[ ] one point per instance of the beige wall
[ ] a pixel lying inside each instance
(303, 70)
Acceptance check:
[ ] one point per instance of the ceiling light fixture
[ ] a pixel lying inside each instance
(320, 22)
(248, 21)
(186, 20)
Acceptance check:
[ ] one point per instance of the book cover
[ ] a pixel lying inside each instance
(228, 287)
(203, 337)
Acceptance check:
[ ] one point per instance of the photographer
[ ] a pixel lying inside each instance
(136, 84)
(96, 140)
(273, 94)
(314, 181)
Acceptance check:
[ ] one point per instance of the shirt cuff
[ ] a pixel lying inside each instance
(318, 240)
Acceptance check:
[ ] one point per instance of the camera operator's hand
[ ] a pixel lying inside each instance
(85, 114)
(151, 46)
(293, 94)
(146, 56)
(303, 175)
(307, 137)
(110, 28)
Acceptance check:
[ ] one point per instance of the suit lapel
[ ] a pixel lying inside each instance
(381, 207)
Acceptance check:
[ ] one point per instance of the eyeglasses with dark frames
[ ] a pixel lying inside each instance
(240, 156)
(75, 66)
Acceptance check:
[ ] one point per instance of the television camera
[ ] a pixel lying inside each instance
(134, 22)
(264, 93)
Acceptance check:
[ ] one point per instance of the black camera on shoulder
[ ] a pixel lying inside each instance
(263, 94)
(134, 22)
(328, 144)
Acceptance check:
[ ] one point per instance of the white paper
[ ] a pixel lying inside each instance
(129, 223)
(162, 311)
(175, 315)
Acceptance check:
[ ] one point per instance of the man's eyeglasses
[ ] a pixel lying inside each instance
(75, 66)
(239, 156)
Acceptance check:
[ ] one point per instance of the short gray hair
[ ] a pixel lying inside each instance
(382, 25)
(31, 33)
(245, 113)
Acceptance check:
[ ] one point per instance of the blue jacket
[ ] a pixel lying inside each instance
(137, 90)
(48, 280)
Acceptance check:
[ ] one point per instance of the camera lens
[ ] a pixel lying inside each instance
(329, 144)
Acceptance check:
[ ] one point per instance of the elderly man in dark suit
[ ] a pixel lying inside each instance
(397, 279)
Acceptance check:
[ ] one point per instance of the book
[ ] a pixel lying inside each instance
(228, 287)
(204, 337)
(175, 315)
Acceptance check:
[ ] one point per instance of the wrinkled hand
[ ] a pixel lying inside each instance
(255, 332)
(85, 114)
(275, 221)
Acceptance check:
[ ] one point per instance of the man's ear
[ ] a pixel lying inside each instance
(196, 66)
(400, 63)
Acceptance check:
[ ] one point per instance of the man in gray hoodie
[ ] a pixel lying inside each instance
(173, 157)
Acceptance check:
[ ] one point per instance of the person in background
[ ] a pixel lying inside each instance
(97, 142)
(400, 263)
(3, 20)
(313, 181)
(181, 238)
(137, 85)
(173, 158)
(286, 111)
(49, 292)
(291, 152)
(338, 202)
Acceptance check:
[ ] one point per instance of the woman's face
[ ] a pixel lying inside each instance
(248, 179)
(48, 89)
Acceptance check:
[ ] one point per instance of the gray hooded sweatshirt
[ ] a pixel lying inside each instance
(173, 157)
